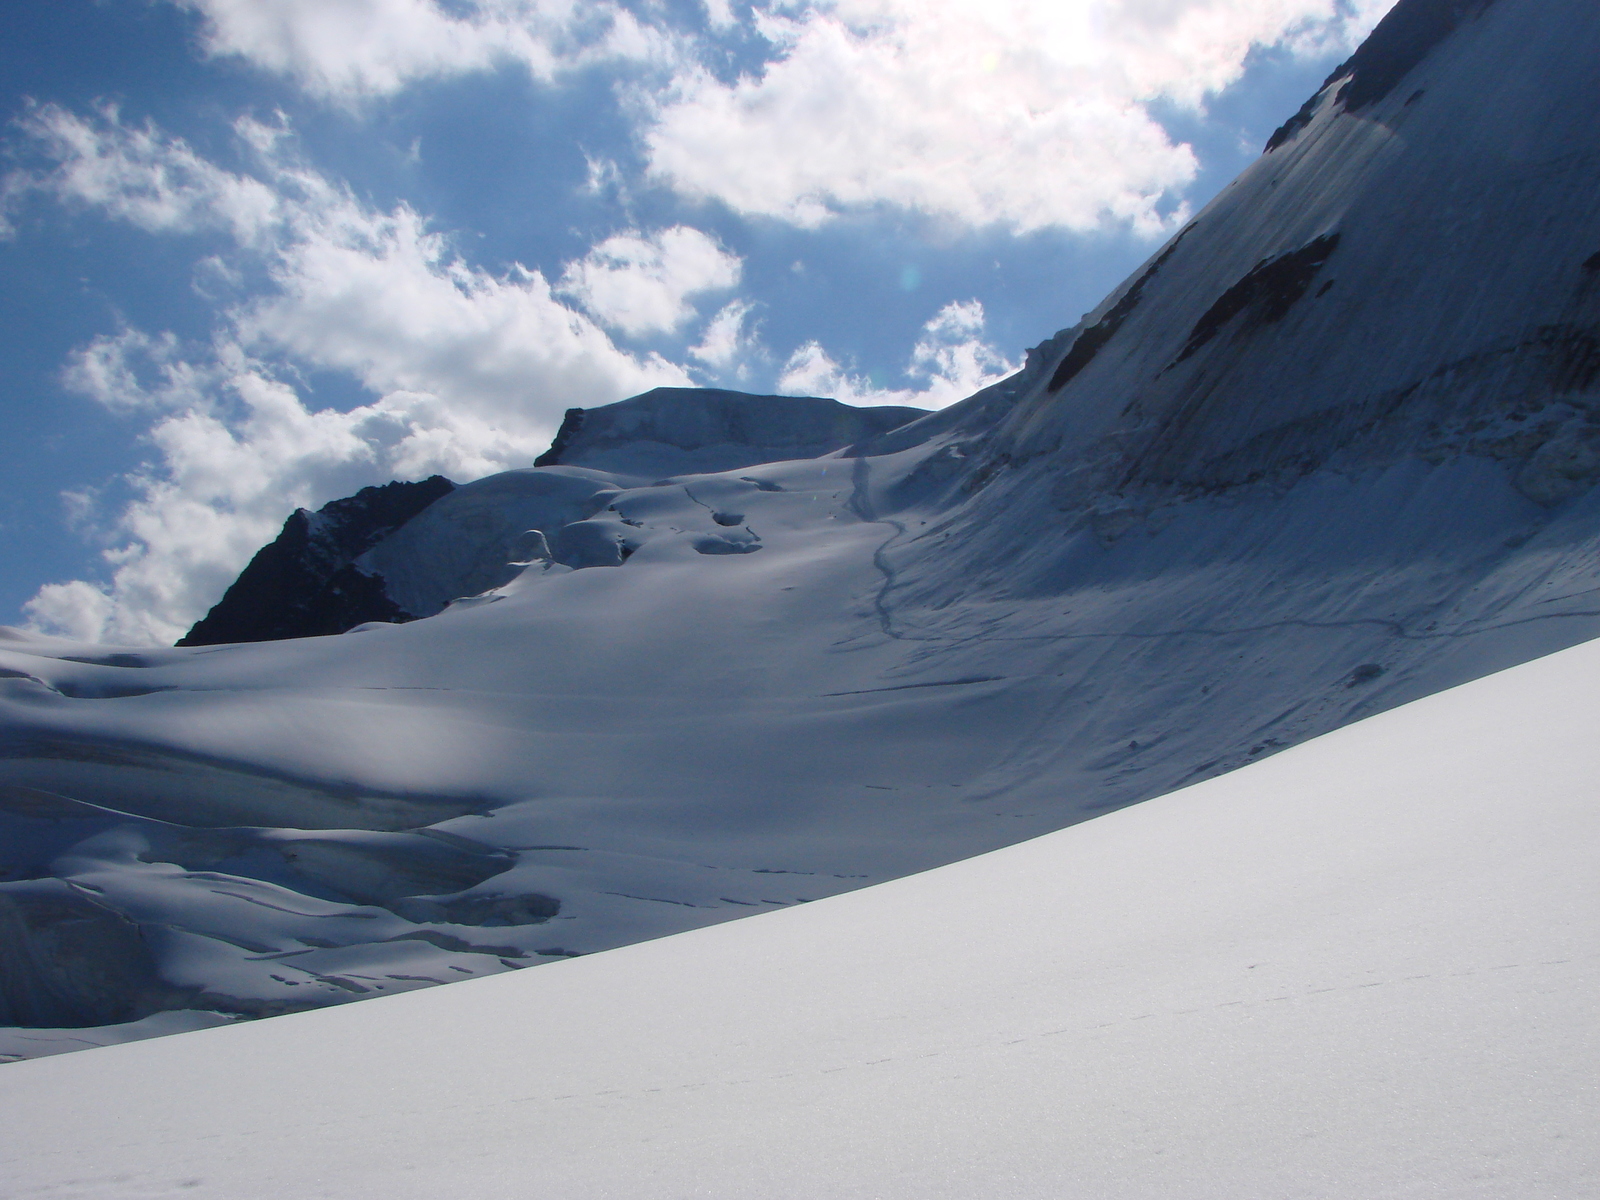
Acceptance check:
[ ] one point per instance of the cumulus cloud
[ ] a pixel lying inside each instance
(469, 370)
(131, 370)
(136, 174)
(1024, 113)
(376, 293)
(640, 283)
(951, 360)
(353, 50)
(381, 297)
(729, 340)
(719, 13)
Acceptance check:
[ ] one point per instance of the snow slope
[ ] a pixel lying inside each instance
(1365, 967)
(1222, 515)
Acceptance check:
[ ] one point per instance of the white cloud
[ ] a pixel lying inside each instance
(373, 293)
(131, 370)
(470, 371)
(76, 609)
(719, 13)
(134, 173)
(352, 50)
(1023, 113)
(727, 340)
(954, 358)
(1026, 113)
(951, 359)
(379, 296)
(641, 283)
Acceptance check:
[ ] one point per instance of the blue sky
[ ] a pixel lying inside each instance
(260, 253)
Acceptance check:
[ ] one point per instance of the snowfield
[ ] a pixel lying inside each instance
(1364, 967)
(1335, 447)
(589, 758)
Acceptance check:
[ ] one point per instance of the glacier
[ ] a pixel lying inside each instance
(1330, 451)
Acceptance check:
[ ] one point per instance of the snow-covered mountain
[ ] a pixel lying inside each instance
(1363, 968)
(691, 431)
(1332, 449)
(395, 554)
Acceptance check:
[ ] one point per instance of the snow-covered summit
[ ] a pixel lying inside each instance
(681, 431)
(392, 554)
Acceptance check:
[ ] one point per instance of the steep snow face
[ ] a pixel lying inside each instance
(1366, 967)
(1411, 274)
(1354, 404)
(1402, 40)
(1234, 508)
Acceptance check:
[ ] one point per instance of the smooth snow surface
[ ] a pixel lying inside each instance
(1367, 967)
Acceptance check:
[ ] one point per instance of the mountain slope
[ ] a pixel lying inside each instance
(1366, 967)
(1349, 414)
(1232, 509)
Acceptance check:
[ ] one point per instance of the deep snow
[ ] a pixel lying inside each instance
(1364, 967)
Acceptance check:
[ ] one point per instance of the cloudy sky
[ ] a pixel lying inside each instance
(260, 253)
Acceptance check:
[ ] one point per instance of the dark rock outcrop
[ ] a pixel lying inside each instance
(1270, 289)
(1090, 341)
(571, 422)
(303, 584)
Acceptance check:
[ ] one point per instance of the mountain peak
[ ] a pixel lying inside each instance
(673, 431)
(1399, 42)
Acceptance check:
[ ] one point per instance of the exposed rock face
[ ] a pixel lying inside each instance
(303, 585)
